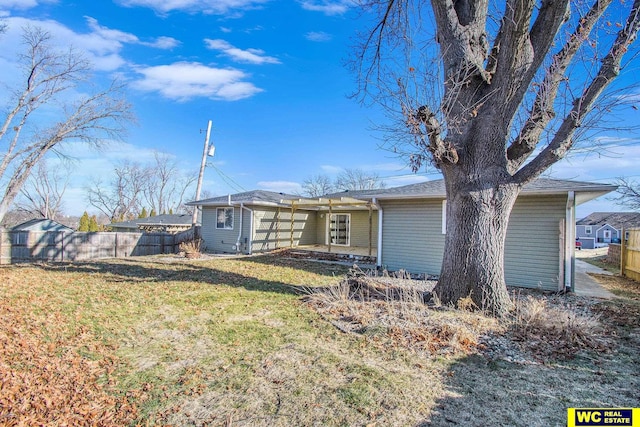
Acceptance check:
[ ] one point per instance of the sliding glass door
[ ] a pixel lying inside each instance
(339, 229)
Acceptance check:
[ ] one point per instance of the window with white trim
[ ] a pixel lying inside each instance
(224, 218)
(588, 229)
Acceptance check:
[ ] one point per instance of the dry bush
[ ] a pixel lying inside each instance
(391, 312)
(557, 330)
(192, 248)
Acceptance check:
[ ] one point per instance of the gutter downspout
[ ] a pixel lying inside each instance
(570, 239)
(379, 248)
(240, 231)
(250, 248)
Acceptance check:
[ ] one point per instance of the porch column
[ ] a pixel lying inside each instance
(370, 226)
(329, 243)
(293, 212)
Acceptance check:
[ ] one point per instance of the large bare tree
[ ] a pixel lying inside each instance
(491, 94)
(53, 80)
(166, 184)
(159, 186)
(42, 194)
(628, 193)
(357, 179)
(122, 198)
(317, 185)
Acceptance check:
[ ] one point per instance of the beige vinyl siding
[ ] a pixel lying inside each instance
(413, 239)
(220, 240)
(532, 247)
(359, 227)
(272, 228)
(412, 235)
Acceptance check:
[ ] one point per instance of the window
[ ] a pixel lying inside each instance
(225, 218)
(588, 229)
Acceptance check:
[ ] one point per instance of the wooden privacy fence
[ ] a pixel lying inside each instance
(630, 254)
(59, 246)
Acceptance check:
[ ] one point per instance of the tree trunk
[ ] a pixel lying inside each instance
(477, 215)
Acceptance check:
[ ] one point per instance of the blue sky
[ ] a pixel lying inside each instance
(270, 76)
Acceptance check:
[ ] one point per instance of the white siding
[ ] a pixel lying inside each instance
(413, 239)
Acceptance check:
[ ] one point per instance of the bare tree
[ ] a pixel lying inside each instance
(166, 184)
(357, 179)
(492, 95)
(121, 199)
(628, 193)
(317, 185)
(42, 194)
(50, 78)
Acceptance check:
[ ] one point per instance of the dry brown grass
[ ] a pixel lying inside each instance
(228, 342)
(390, 315)
(557, 329)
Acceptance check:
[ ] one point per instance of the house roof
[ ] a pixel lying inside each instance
(41, 225)
(255, 197)
(436, 189)
(428, 189)
(166, 219)
(617, 220)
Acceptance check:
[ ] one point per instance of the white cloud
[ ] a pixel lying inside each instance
(281, 186)
(327, 7)
(252, 56)
(207, 7)
(102, 46)
(22, 4)
(318, 36)
(121, 37)
(186, 80)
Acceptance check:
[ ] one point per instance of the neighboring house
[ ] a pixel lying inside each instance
(42, 225)
(158, 223)
(408, 226)
(601, 228)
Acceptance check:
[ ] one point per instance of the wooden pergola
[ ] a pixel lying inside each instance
(331, 203)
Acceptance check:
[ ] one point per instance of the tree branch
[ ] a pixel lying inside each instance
(543, 111)
(609, 69)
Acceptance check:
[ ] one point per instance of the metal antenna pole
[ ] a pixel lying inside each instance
(194, 220)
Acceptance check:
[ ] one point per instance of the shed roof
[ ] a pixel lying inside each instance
(165, 219)
(42, 225)
(617, 220)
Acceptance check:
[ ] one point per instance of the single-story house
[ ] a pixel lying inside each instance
(405, 226)
(261, 221)
(601, 228)
(167, 223)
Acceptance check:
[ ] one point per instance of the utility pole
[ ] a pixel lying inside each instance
(194, 220)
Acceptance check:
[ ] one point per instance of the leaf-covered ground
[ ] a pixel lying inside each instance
(231, 342)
